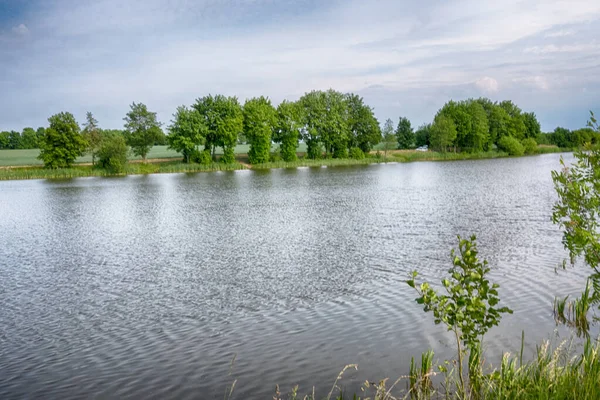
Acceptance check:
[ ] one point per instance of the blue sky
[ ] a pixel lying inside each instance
(406, 58)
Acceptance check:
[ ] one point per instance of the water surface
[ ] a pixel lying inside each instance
(149, 286)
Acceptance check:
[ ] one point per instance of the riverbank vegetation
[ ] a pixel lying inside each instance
(326, 124)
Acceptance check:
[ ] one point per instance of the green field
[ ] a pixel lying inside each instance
(29, 157)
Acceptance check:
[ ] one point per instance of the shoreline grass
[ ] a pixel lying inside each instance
(175, 165)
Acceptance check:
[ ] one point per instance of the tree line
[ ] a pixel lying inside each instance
(331, 124)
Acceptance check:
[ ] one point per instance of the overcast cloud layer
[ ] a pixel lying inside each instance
(406, 58)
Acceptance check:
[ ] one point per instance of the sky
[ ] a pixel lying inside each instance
(406, 58)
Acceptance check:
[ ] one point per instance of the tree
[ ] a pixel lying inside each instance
(4, 139)
(62, 142)
(14, 140)
(287, 130)
(312, 111)
(562, 137)
(335, 132)
(577, 212)
(405, 134)
(224, 121)
(443, 133)
(29, 139)
(422, 135)
(112, 153)
(186, 132)
(478, 137)
(389, 137)
(141, 129)
(260, 118)
(516, 125)
(363, 128)
(92, 134)
(511, 145)
(532, 125)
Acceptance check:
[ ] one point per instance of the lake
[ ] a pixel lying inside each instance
(173, 286)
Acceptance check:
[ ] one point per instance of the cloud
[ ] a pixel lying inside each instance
(487, 84)
(20, 30)
(102, 55)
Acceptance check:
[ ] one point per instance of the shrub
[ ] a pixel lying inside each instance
(203, 157)
(356, 153)
(511, 145)
(274, 157)
(112, 154)
(530, 145)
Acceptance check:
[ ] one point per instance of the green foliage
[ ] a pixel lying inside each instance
(511, 145)
(287, 130)
(405, 134)
(443, 132)
(389, 136)
(529, 145)
(4, 139)
(260, 119)
(422, 135)
(93, 135)
(142, 129)
(516, 122)
(62, 142)
(532, 125)
(29, 139)
(224, 121)
(356, 153)
(112, 153)
(364, 130)
(469, 306)
(186, 133)
(562, 137)
(577, 211)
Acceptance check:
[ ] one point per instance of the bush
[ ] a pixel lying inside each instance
(112, 154)
(202, 157)
(511, 145)
(356, 153)
(274, 157)
(530, 145)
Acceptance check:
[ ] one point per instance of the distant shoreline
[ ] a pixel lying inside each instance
(175, 165)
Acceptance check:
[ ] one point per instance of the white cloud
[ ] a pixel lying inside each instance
(21, 30)
(536, 81)
(487, 84)
(560, 33)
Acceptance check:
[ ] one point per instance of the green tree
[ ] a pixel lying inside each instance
(511, 145)
(364, 130)
(529, 145)
(260, 119)
(405, 134)
(287, 130)
(532, 125)
(92, 134)
(312, 111)
(14, 140)
(62, 142)
(469, 306)
(335, 130)
(422, 135)
(443, 133)
(141, 129)
(186, 132)
(224, 120)
(29, 139)
(478, 137)
(562, 137)
(389, 136)
(516, 123)
(577, 212)
(112, 153)
(4, 139)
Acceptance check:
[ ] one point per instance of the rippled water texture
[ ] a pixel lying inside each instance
(148, 286)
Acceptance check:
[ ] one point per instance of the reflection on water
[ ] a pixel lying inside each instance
(147, 286)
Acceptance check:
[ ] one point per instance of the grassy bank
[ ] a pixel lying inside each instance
(78, 171)
(14, 163)
(553, 373)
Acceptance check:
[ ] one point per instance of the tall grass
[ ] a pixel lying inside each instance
(552, 374)
(130, 169)
(329, 162)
